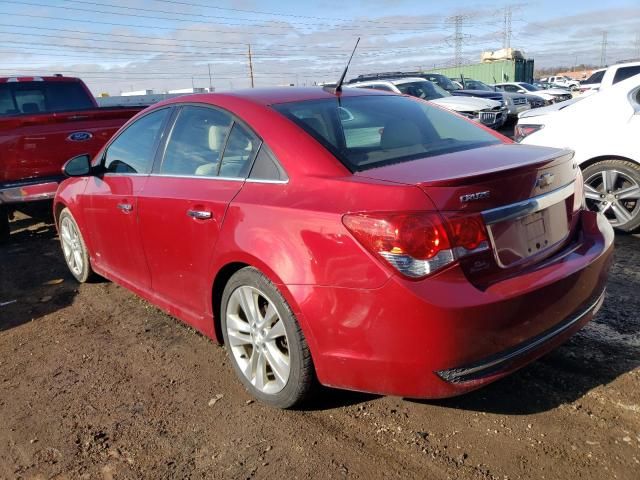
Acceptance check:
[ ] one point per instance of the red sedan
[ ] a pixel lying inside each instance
(364, 240)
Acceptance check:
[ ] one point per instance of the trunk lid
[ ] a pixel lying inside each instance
(524, 195)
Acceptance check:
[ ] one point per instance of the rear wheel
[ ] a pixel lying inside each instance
(73, 247)
(265, 343)
(612, 187)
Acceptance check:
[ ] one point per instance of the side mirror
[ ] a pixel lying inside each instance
(522, 90)
(78, 166)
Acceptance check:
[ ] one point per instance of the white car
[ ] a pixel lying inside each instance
(606, 77)
(603, 129)
(562, 81)
(550, 95)
(491, 113)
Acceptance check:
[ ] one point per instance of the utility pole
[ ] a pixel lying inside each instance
(250, 67)
(603, 51)
(506, 32)
(210, 84)
(458, 38)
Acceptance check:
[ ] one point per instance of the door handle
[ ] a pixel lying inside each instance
(125, 207)
(200, 214)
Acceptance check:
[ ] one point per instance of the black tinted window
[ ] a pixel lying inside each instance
(266, 167)
(196, 142)
(626, 72)
(134, 149)
(595, 78)
(41, 97)
(384, 129)
(239, 151)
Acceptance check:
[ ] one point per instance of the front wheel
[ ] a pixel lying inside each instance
(612, 187)
(265, 343)
(73, 247)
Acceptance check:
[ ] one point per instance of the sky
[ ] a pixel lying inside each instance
(125, 45)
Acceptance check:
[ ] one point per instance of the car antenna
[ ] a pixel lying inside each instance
(338, 88)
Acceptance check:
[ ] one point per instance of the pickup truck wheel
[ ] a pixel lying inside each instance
(73, 247)
(612, 187)
(4, 224)
(265, 343)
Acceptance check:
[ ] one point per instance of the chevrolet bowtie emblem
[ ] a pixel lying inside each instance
(545, 180)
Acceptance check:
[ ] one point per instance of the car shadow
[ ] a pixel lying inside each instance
(34, 279)
(603, 350)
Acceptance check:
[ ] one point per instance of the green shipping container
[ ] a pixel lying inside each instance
(519, 70)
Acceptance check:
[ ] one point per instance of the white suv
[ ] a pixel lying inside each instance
(605, 77)
(491, 113)
(562, 81)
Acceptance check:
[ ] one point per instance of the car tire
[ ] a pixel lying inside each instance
(74, 249)
(266, 346)
(5, 230)
(622, 213)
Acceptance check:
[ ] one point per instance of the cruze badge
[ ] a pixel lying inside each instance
(475, 196)
(545, 180)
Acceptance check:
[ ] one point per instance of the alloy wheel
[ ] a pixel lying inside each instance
(614, 194)
(71, 246)
(258, 340)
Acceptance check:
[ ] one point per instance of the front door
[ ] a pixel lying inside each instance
(110, 201)
(182, 206)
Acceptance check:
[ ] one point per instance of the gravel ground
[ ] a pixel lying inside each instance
(96, 383)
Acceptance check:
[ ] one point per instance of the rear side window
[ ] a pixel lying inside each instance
(42, 97)
(239, 152)
(134, 149)
(625, 72)
(384, 129)
(196, 143)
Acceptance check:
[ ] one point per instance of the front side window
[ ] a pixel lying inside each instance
(384, 129)
(134, 149)
(196, 143)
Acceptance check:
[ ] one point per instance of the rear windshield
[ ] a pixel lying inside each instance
(18, 98)
(371, 131)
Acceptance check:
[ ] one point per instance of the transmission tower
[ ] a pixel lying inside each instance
(506, 32)
(637, 46)
(458, 38)
(603, 51)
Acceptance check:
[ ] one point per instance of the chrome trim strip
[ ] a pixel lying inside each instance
(478, 370)
(199, 177)
(527, 207)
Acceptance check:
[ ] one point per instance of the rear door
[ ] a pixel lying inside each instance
(206, 158)
(110, 201)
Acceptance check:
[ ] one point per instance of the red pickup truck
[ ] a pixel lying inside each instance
(44, 121)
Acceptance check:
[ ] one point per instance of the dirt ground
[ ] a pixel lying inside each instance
(96, 383)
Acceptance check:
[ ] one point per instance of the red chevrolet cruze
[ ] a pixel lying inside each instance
(365, 240)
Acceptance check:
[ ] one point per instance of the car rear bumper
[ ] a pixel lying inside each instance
(29, 190)
(443, 336)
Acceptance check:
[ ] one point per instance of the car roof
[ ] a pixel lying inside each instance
(394, 81)
(32, 78)
(275, 95)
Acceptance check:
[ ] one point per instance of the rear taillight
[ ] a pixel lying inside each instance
(579, 201)
(418, 244)
(522, 131)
